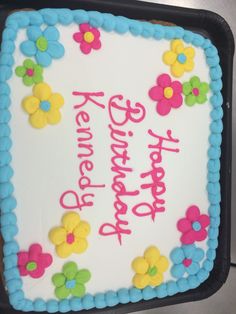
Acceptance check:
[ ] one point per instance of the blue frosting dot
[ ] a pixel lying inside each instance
(16, 297)
(172, 288)
(65, 16)
(5, 73)
(202, 275)
(5, 158)
(108, 22)
(161, 291)
(214, 210)
(99, 300)
(183, 284)
(95, 19)
(6, 173)
(11, 273)
(4, 102)
(8, 46)
(35, 18)
(88, 302)
(159, 32)
(149, 293)
(135, 295)
(8, 34)
(123, 295)
(181, 58)
(188, 36)
(75, 304)
(14, 285)
(193, 281)
(50, 16)
(8, 219)
(111, 298)
(45, 105)
(196, 226)
(9, 232)
(10, 261)
(7, 59)
(198, 40)
(39, 305)
(122, 25)
(80, 16)
(11, 247)
(52, 306)
(64, 306)
(5, 116)
(70, 284)
(6, 189)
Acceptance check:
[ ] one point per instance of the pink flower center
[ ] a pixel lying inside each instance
(30, 72)
(168, 92)
(88, 37)
(187, 262)
(70, 238)
(195, 91)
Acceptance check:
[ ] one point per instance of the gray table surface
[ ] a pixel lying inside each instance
(224, 301)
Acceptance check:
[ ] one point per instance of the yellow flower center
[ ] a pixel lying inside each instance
(89, 37)
(168, 92)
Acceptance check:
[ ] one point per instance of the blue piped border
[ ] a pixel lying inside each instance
(9, 229)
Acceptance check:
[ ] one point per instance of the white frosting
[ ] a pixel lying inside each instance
(45, 161)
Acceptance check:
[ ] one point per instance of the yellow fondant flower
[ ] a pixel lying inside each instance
(149, 269)
(43, 107)
(71, 236)
(179, 58)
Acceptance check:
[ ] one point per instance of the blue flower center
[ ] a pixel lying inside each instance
(196, 226)
(182, 58)
(45, 105)
(70, 284)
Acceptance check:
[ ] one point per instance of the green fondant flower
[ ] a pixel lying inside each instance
(71, 281)
(195, 91)
(31, 72)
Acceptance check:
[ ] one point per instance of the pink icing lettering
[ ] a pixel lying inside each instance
(73, 198)
(108, 229)
(120, 113)
(87, 165)
(85, 182)
(84, 117)
(88, 97)
(145, 209)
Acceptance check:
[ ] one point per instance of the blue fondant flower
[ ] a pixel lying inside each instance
(186, 260)
(43, 45)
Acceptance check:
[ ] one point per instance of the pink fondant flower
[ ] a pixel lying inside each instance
(193, 226)
(88, 37)
(167, 93)
(33, 262)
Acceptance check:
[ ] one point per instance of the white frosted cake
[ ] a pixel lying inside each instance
(110, 143)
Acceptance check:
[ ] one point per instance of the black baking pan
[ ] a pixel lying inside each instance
(214, 27)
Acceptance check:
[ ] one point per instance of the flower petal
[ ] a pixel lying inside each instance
(201, 99)
(204, 220)
(38, 78)
(56, 100)
(83, 276)
(20, 71)
(164, 80)
(169, 57)
(70, 220)
(200, 235)
(43, 58)
(198, 255)
(51, 33)
(70, 269)
(176, 100)
(28, 48)
(78, 290)
(177, 46)
(156, 280)
(34, 251)
(162, 264)
(82, 230)
(178, 270)
(55, 50)
(42, 91)
(57, 235)
(193, 268)
(85, 48)
(79, 246)
(62, 292)
(78, 37)
(177, 69)
(152, 255)
(28, 80)
(188, 250)
(184, 225)
(163, 107)
(177, 87)
(195, 82)
(38, 69)
(187, 88)
(96, 44)
(190, 100)
(140, 265)
(177, 255)
(64, 250)
(156, 93)
(95, 32)
(38, 272)
(45, 260)
(34, 32)
(29, 64)
(203, 88)
(140, 281)
(23, 258)
(38, 119)
(23, 271)
(53, 116)
(85, 27)
(188, 65)
(189, 52)
(193, 213)
(58, 279)
(30, 104)
(188, 237)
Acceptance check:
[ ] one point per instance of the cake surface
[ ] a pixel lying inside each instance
(110, 145)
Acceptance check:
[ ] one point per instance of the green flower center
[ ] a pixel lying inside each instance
(181, 58)
(42, 43)
(31, 266)
(45, 106)
(152, 271)
(70, 284)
